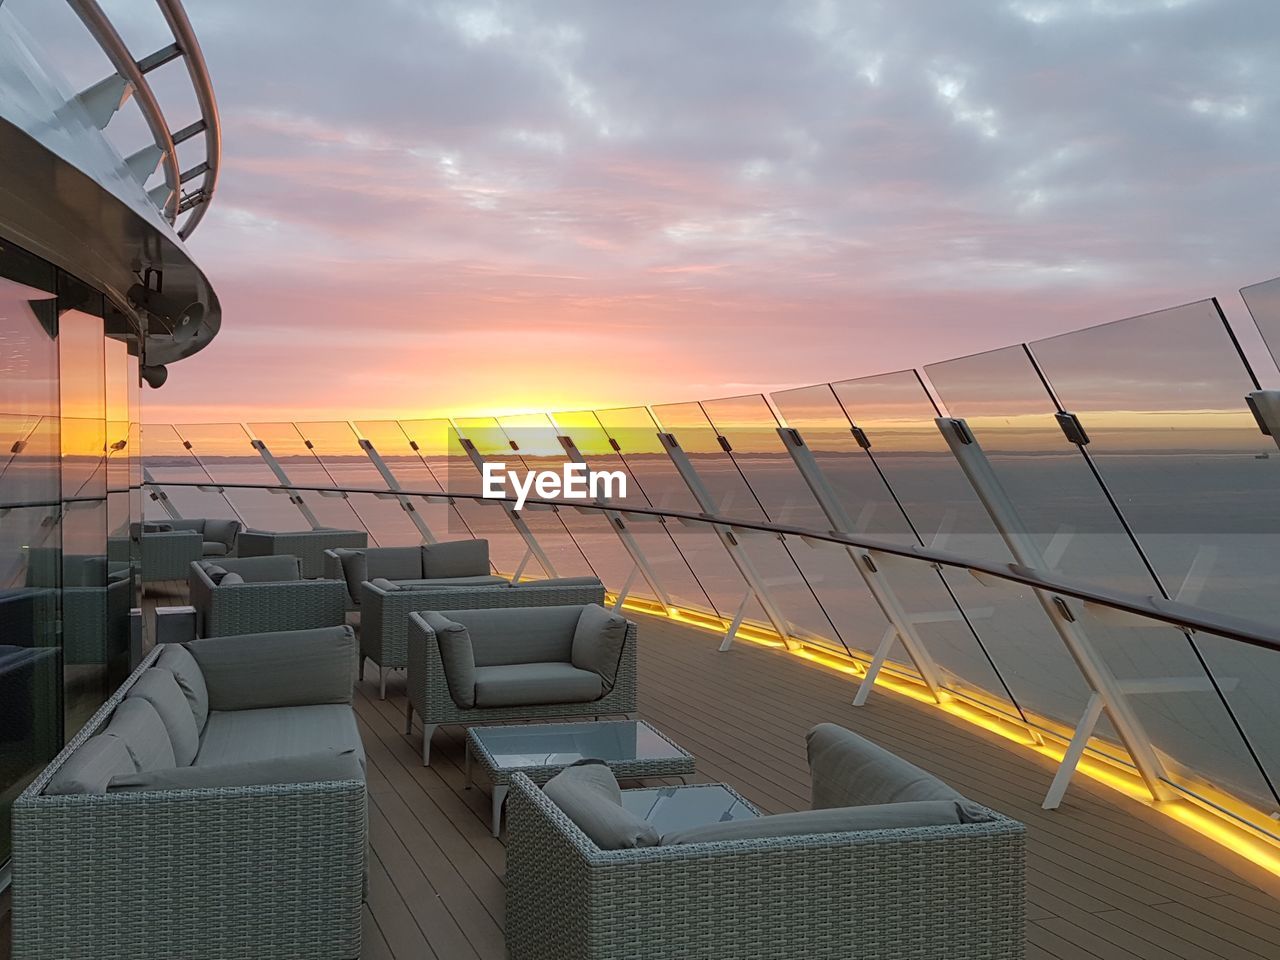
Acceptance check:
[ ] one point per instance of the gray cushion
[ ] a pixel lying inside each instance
(847, 770)
(598, 641)
(523, 684)
(213, 571)
(196, 525)
(393, 563)
(160, 688)
(885, 816)
(243, 736)
(563, 582)
(382, 583)
(455, 558)
(320, 767)
(221, 531)
(354, 570)
(273, 569)
(92, 766)
(588, 794)
(277, 669)
(136, 722)
(231, 580)
(157, 527)
(455, 654)
(447, 583)
(520, 634)
(213, 548)
(177, 660)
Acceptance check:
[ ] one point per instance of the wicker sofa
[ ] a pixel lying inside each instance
(261, 595)
(215, 807)
(518, 663)
(948, 885)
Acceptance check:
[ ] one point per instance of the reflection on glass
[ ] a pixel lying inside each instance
(1263, 301)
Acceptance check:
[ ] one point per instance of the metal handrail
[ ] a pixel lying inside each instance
(117, 52)
(1175, 613)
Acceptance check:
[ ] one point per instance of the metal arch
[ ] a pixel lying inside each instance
(198, 70)
(117, 52)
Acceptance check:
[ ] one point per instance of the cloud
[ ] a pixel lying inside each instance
(631, 199)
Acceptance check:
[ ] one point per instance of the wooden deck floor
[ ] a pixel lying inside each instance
(1108, 877)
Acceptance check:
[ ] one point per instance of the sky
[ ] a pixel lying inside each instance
(489, 207)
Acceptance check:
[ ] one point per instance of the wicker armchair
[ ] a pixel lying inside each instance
(429, 693)
(384, 614)
(903, 893)
(166, 554)
(272, 596)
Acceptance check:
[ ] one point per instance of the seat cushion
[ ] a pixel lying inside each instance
(160, 688)
(455, 558)
(212, 548)
(847, 770)
(525, 684)
(93, 766)
(587, 793)
(563, 582)
(136, 722)
(244, 736)
(322, 767)
(455, 654)
(520, 634)
(598, 641)
(884, 816)
(393, 563)
(178, 660)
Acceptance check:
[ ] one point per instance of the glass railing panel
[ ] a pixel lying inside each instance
(228, 456)
(438, 444)
(336, 446)
(782, 495)
(1180, 707)
(1162, 399)
(650, 535)
(896, 414)
(497, 447)
(731, 496)
(594, 535)
(633, 435)
(868, 507)
(1263, 301)
(406, 463)
(288, 447)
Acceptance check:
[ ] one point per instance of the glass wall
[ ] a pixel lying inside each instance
(70, 489)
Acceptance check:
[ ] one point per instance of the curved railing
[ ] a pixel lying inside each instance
(177, 197)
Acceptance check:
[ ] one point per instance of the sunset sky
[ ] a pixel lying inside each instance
(487, 207)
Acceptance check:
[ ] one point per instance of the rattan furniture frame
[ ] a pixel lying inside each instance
(307, 545)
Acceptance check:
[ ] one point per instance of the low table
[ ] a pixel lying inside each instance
(632, 749)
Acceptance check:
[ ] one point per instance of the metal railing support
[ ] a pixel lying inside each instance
(982, 477)
(885, 596)
(750, 575)
(393, 485)
(294, 496)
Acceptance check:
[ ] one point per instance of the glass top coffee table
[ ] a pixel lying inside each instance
(677, 808)
(632, 749)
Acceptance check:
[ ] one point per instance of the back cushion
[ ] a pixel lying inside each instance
(91, 768)
(354, 570)
(848, 770)
(160, 688)
(457, 558)
(177, 660)
(598, 640)
(265, 569)
(456, 655)
(520, 634)
(137, 723)
(222, 531)
(588, 794)
(293, 668)
(393, 563)
(196, 525)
